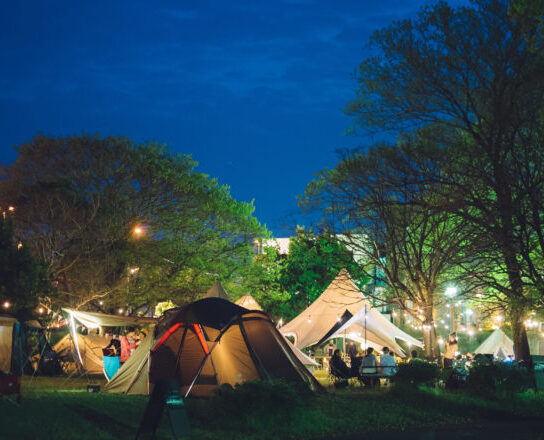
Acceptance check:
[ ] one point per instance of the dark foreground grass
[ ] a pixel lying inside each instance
(59, 409)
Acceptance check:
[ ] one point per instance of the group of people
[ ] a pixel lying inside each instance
(367, 367)
(123, 346)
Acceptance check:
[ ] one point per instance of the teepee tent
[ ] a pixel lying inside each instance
(496, 343)
(206, 344)
(217, 291)
(343, 311)
(248, 302)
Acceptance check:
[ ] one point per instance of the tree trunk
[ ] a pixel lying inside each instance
(430, 342)
(521, 343)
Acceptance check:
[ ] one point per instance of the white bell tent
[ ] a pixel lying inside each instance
(497, 344)
(343, 311)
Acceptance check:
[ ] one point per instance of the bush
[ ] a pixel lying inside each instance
(416, 372)
(499, 378)
(251, 405)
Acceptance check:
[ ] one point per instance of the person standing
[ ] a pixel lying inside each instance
(352, 350)
(329, 349)
(451, 350)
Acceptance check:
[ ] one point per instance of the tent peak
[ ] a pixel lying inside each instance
(217, 291)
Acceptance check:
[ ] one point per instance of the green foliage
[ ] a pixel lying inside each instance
(498, 378)
(79, 198)
(416, 372)
(245, 404)
(313, 262)
(23, 278)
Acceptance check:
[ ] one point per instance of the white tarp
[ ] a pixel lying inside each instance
(94, 319)
(342, 294)
(6, 341)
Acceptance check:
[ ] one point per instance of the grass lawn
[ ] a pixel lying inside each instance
(60, 409)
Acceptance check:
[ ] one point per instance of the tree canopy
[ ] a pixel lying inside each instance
(125, 224)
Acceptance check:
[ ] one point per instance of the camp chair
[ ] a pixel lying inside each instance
(336, 379)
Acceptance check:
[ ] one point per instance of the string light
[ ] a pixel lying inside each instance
(6, 305)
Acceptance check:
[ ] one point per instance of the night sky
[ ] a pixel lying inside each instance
(254, 91)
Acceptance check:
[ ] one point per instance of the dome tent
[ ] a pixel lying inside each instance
(209, 343)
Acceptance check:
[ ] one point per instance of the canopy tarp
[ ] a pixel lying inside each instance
(342, 296)
(494, 342)
(95, 319)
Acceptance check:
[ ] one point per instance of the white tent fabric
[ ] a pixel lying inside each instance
(342, 294)
(248, 302)
(94, 320)
(6, 340)
(494, 342)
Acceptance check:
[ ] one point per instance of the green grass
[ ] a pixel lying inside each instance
(61, 409)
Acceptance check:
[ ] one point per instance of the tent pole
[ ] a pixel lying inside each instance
(365, 329)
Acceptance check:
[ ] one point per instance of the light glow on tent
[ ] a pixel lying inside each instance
(201, 338)
(167, 334)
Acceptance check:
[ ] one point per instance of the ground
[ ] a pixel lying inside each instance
(62, 409)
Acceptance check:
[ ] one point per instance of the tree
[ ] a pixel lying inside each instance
(23, 278)
(469, 70)
(313, 262)
(407, 246)
(125, 224)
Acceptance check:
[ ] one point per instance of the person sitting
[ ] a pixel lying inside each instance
(414, 357)
(369, 367)
(388, 363)
(338, 367)
(114, 346)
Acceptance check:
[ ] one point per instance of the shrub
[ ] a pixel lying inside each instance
(498, 378)
(259, 402)
(416, 372)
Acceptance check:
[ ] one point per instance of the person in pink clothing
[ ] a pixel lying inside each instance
(125, 349)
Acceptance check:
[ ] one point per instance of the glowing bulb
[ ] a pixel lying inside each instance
(100, 302)
(451, 291)
(120, 311)
(40, 310)
(5, 305)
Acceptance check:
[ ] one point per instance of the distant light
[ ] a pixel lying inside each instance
(309, 320)
(470, 332)
(11, 208)
(40, 310)
(6, 305)
(120, 311)
(451, 291)
(133, 270)
(100, 302)
(19, 245)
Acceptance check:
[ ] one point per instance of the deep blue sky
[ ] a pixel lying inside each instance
(254, 91)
